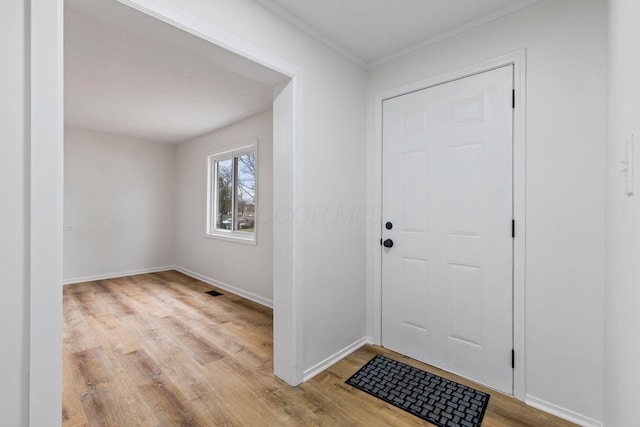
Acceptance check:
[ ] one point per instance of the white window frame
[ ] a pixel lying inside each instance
(212, 200)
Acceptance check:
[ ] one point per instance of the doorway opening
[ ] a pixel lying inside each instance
(243, 83)
(46, 127)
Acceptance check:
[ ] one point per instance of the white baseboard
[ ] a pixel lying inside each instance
(331, 360)
(561, 412)
(229, 288)
(73, 280)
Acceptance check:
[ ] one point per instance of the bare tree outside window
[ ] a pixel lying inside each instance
(246, 192)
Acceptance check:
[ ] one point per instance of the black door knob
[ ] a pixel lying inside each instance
(388, 243)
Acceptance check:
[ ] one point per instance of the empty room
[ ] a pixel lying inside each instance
(274, 212)
(168, 157)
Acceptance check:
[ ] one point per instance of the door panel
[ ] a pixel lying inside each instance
(465, 283)
(415, 284)
(415, 191)
(447, 189)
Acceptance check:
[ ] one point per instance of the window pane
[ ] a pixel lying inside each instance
(246, 192)
(224, 176)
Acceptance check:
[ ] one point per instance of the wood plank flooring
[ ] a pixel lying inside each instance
(155, 350)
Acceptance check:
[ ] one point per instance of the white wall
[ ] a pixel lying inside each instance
(119, 204)
(333, 136)
(14, 332)
(247, 267)
(565, 84)
(622, 352)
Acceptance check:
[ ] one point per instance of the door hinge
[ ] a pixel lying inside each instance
(513, 228)
(513, 359)
(513, 99)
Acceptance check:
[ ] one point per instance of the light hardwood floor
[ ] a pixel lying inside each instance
(155, 350)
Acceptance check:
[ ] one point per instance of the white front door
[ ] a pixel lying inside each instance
(447, 281)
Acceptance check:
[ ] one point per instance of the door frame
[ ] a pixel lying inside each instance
(44, 172)
(518, 60)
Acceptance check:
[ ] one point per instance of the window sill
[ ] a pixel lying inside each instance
(236, 237)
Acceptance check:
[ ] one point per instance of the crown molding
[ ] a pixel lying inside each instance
(308, 29)
(452, 33)
(293, 19)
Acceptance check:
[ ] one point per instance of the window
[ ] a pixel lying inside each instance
(232, 191)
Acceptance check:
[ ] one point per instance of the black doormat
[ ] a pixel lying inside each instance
(213, 293)
(435, 399)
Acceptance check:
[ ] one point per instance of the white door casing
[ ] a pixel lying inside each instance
(447, 282)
